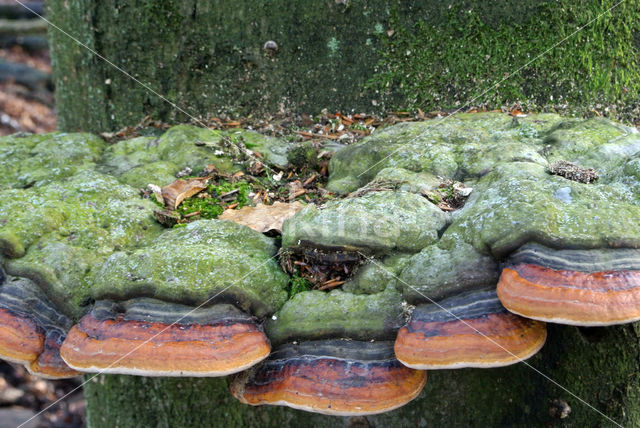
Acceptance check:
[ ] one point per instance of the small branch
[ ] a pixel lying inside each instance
(22, 27)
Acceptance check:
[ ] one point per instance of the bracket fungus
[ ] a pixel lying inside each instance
(91, 279)
(31, 329)
(334, 377)
(86, 236)
(578, 287)
(154, 338)
(469, 330)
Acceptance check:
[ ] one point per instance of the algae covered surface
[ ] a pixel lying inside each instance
(73, 221)
(379, 221)
(81, 231)
(193, 264)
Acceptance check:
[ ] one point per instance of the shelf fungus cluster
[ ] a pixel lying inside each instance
(90, 282)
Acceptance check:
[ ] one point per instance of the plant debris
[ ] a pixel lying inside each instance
(573, 172)
(22, 395)
(449, 196)
(263, 218)
(179, 190)
(323, 270)
(212, 192)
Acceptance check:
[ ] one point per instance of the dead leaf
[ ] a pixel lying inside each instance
(309, 180)
(263, 218)
(179, 190)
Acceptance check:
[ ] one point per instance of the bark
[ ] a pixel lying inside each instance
(208, 57)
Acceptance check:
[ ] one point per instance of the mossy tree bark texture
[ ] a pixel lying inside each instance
(208, 57)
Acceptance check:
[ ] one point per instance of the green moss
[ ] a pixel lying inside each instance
(192, 264)
(298, 285)
(472, 52)
(210, 208)
(207, 208)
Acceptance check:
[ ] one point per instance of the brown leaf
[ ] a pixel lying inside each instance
(263, 218)
(179, 190)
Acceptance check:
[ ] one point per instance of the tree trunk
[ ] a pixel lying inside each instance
(208, 57)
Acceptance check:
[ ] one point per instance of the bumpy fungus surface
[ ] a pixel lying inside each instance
(333, 377)
(314, 315)
(154, 338)
(75, 232)
(579, 287)
(192, 264)
(470, 330)
(514, 201)
(467, 146)
(424, 277)
(143, 160)
(378, 221)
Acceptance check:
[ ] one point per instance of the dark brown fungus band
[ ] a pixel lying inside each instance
(334, 377)
(155, 338)
(31, 329)
(470, 330)
(578, 287)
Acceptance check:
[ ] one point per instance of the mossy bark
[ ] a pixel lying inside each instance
(599, 365)
(207, 56)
